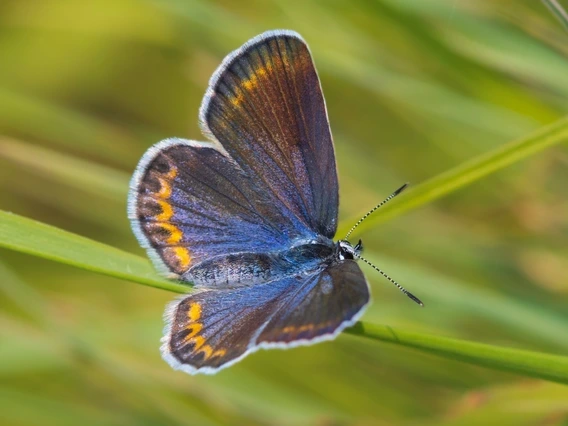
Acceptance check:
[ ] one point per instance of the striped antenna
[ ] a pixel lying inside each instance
(401, 288)
(390, 197)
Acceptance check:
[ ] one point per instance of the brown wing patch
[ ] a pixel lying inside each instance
(155, 213)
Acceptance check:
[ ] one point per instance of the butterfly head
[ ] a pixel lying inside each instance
(347, 251)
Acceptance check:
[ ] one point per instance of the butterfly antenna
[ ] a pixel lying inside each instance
(386, 200)
(401, 288)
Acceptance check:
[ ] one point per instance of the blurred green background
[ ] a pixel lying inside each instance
(413, 88)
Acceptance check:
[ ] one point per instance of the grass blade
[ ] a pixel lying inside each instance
(28, 236)
(528, 363)
(557, 10)
(464, 174)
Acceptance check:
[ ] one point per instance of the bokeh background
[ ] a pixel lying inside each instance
(413, 88)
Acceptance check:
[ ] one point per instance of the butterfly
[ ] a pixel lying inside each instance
(249, 217)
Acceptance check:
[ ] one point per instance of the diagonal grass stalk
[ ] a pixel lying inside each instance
(28, 236)
(464, 174)
(529, 363)
(38, 239)
(557, 10)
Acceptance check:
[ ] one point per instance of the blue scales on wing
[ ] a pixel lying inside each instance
(267, 180)
(212, 329)
(265, 106)
(191, 202)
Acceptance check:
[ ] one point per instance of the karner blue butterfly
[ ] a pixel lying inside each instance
(249, 217)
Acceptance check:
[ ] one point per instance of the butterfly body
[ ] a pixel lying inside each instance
(245, 269)
(249, 217)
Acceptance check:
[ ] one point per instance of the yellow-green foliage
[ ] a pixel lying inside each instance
(449, 95)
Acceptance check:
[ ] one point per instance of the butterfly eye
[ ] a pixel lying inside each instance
(346, 255)
(345, 251)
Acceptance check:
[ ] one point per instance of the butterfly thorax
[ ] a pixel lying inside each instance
(245, 269)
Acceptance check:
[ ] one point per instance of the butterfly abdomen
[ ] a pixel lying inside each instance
(245, 269)
(232, 271)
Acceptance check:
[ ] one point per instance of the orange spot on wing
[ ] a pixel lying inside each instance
(194, 312)
(207, 350)
(172, 173)
(177, 258)
(267, 66)
(165, 188)
(183, 257)
(165, 181)
(294, 329)
(249, 84)
(194, 330)
(197, 341)
(237, 100)
(174, 231)
(193, 337)
(219, 353)
(167, 211)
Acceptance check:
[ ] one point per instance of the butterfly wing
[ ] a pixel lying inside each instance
(213, 329)
(319, 309)
(273, 180)
(265, 106)
(189, 202)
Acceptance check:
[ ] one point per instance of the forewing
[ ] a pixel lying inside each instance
(265, 106)
(319, 309)
(188, 202)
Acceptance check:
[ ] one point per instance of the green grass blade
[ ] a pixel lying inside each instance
(440, 291)
(28, 236)
(464, 174)
(534, 364)
(557, 10)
